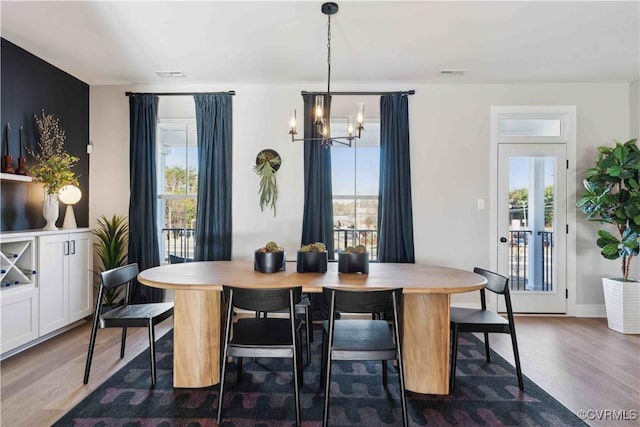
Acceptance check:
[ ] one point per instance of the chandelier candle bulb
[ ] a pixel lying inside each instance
(350, 126)
(292, 123)
(319, 109)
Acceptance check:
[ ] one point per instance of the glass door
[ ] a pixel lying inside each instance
(532, 225)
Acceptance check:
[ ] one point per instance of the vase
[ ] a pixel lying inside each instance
(353, 263)
(50, 211)
(312, 262)
(269, 262)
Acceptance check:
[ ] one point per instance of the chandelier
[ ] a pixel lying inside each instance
(321, 113)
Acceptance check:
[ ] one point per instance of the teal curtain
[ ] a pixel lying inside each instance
(317, 219)
(395, 218)
(213, 216)
(143, 238)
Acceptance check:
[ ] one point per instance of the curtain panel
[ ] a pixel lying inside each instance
(395, 218)
(213, 215)
(317, 219)
(143, 238)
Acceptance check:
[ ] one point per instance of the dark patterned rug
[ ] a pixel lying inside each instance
(485, 395)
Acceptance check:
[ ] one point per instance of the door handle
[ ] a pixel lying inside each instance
(503, 240)
(73, 250)
(66, 247)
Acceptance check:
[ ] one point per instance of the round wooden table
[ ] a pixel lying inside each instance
(198, 311)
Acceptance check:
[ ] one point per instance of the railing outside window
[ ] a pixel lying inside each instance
(179, 242)
(344, 237)
(519, 260)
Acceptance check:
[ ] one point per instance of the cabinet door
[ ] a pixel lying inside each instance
(19, 316)
(80, 276)
(53, 281)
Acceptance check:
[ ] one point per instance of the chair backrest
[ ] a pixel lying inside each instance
(119, 276)
(350, 301)
(261, 299)
(116, 277)
(495, 282)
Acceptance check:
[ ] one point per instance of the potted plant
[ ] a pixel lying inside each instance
(312, 258)
(612, 197)
(111, 246)
(267, 164)
(53, 165)
(354, 260)
(269, 258)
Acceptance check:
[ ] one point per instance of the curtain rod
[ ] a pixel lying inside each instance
(231, 92)
(406, 92)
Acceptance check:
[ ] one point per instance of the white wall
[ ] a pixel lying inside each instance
(449, 131)
(634, 109)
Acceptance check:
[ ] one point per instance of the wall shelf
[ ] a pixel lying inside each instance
(14, 177)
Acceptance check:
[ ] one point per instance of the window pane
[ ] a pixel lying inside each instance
(530, 127)
(342, 177)
(367, 170)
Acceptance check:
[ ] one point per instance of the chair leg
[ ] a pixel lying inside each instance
(92, 344)
(297, 370)
(323, 359)
(327, 386)
(309, 321)
(238, 369)
(486, 347)
(403, 397)
(152, 351)
(309, 335)
(123, 341)
(454, 357)
(516, 357)
(222, 376)
(384, 373)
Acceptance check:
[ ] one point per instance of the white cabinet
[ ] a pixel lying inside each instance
(18, 293)
(46, 284)
(65, 285)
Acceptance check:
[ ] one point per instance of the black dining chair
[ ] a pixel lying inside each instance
(262, 336)
(485, 321)
(361, 339)
(303, 312)
(126, 315)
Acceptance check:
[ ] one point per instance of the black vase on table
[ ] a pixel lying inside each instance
(353, 262)
(312, 262)
(269, 262)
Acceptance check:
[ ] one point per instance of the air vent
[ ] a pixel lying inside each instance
(452, 72)
(170, 74)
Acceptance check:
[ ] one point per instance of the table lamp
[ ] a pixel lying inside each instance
(69, 195)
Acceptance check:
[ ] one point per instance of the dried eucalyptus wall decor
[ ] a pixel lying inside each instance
(268, 162)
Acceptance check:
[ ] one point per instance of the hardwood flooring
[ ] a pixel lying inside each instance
(579, 361)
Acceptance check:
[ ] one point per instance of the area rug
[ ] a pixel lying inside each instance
(486, 394)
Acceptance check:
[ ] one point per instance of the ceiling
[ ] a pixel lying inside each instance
(122, 42)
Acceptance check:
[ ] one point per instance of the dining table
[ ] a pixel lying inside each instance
(198, 311)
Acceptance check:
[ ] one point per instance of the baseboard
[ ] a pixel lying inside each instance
(587, 310)
(39, 340)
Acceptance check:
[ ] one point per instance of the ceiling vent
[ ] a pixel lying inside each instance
(170, 74)
(452, 72)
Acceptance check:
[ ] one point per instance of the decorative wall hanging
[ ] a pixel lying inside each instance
(268, 162)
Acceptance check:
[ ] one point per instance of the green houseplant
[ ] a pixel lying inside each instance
(267, 164)
(612, 197)
(111, 246)
(53, 164)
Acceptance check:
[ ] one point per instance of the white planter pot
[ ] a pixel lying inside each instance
(622, 301)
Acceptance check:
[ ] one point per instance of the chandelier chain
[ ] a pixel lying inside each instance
(328, 56)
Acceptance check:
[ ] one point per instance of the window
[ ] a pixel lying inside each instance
(355, 174)
(177, 186)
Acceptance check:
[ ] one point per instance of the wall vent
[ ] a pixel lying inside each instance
(170, 74)
(452, 72)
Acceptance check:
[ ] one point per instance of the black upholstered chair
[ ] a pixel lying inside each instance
(361, 339)
(174, 259)
(126, 315)
(262, 336)
(485, 321)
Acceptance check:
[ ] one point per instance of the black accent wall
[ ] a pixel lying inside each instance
(29, 85)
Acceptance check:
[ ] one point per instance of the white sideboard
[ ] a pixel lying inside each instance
(46, 284)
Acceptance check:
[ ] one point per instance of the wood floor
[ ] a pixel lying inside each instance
(578, 361)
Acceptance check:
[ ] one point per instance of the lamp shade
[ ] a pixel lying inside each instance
(70, 194)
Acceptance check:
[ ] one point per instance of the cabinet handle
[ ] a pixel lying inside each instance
(66, 247)
(73, 251)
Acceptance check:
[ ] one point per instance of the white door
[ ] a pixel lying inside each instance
(80, 276)
(532, 221)
(53, 288)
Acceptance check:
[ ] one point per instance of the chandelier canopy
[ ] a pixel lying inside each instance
(321, 112)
